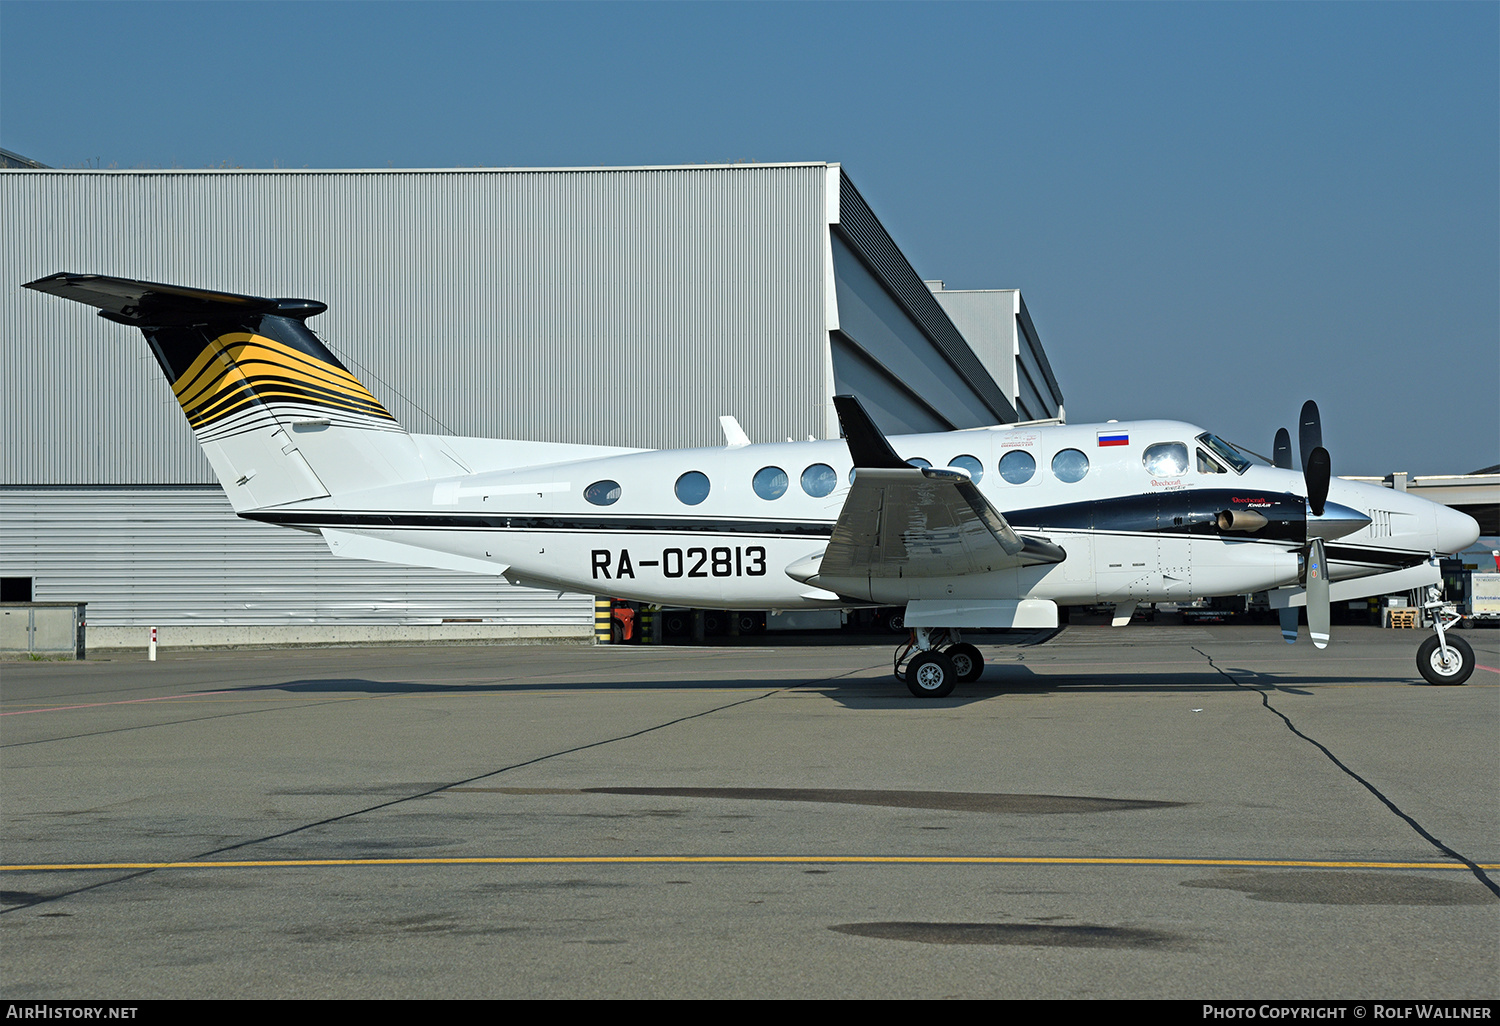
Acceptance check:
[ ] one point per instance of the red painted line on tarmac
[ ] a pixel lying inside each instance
(1484, 667)
(123, 701)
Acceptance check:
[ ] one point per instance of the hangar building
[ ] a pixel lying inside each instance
(624, 306)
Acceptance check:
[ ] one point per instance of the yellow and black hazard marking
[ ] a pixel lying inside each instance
(240, 370)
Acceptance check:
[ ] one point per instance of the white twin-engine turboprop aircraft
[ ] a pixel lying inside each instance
(982, 528)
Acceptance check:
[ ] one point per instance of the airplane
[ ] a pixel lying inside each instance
(983, 528)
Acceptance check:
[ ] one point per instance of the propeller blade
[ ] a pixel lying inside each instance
(1317, 594)
(1281, 450)
(1317, 471)
(1288, 616)
(1309, 431)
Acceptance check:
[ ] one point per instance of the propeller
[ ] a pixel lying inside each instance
(1281, 449)
(1309, 430)
(1288, 615)
(1317, 471)
(1317, 474)
(1317, 594)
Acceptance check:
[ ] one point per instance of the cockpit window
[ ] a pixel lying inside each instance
(1226, 452)
(1166, 459)
(1208, 465)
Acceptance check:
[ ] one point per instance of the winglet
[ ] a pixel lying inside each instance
(867, 446)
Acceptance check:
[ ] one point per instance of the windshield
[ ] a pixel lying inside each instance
(1226, 452)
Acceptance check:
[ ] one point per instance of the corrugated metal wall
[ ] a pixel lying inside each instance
(1049, 392)
(553, 305)
(868, 237)
(917, 374)
(179, 556)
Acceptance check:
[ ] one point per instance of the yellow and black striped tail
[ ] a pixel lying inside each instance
(236, 363)
(242, 379)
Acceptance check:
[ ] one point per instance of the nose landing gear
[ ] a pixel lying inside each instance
(1441, 659)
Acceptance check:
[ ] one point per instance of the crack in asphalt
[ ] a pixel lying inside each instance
(1422, 831)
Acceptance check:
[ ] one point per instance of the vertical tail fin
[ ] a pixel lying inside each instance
(279, 417)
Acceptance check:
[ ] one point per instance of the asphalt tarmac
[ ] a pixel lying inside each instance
(1154, 812)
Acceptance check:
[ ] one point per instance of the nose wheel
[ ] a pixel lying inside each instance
(1442, 659)
(1450, 667)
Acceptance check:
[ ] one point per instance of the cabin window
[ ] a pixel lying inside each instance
(818, 480)
(770, 483)
(918, 462)
(1166, 459)
(1070, 465)
(972, 465)
(1208, 465)
(603, 493)
(1017, 466)
(692, 488)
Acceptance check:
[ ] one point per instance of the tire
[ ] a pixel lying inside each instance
(1430, 661)
(931, 675)
(897, 623)
(967, 662)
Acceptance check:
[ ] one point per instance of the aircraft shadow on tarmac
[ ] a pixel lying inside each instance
(999, 681)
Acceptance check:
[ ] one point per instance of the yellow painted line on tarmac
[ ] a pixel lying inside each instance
(606, 860)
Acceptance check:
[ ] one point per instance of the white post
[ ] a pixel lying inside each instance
(151, 649)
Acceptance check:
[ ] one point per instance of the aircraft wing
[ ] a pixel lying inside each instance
(911, 522)
(926, 522)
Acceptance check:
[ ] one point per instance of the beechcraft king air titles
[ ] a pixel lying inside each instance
(981, 528)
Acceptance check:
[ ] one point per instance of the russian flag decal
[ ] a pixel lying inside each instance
(1114, 438)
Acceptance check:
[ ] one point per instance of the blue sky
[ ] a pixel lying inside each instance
(1214, 211)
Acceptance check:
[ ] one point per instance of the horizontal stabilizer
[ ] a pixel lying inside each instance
(152, 303)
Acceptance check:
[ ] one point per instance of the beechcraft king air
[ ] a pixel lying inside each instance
(982, 528)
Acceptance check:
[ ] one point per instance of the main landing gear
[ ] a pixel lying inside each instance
(1441, 659)
(941, 662)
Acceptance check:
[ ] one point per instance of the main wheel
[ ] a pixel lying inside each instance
(967, 662)
(931, 675)
(1455, 671)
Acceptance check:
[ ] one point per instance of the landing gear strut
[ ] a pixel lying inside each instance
(941, 662)
(1441, 659)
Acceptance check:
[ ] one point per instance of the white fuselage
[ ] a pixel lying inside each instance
(1131, 535)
